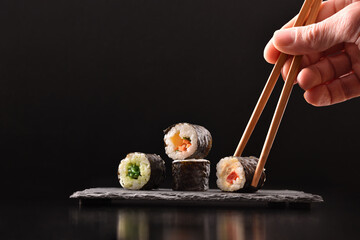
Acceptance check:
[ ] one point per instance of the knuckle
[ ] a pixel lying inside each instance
(312, 36)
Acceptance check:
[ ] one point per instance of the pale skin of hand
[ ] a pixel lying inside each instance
(330, 69)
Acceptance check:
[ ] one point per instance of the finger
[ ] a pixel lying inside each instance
(271, 54)
(337, 91)
(338, 48)
(310, 59)
(286, 68)
(354, 53)
(329, 8)
(329, 68)
(340, 27)
(306, 61)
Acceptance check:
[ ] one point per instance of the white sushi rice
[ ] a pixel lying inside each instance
(192, 160)
(140, 160)
(184, 130)
(223, 169)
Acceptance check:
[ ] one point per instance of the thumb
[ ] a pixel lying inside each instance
(317, 37)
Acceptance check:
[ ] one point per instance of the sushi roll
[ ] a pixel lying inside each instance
(185, 141)
(236, 173)
(191, 175)
(141, 171)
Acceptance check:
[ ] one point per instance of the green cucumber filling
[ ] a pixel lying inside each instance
(187, 138)
(133, 171)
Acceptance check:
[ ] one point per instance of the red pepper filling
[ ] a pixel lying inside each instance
(232, 177)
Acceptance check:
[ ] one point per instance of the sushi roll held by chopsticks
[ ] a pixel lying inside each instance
(141, 171)
(234, 174)
(185, 141)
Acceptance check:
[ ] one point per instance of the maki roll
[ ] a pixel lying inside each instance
(185, 141)
(236, 173)
(191, 175)
(141, 171)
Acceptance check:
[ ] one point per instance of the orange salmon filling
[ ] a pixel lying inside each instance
(182, 144)
(232, 177)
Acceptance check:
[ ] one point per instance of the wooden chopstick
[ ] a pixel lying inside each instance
(270, 84)
(284, 97)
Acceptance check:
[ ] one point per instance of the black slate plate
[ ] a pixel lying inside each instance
(278, 198)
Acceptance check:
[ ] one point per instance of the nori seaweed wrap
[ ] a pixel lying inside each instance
(191, 175)
(141, 171)
(187, 141)
(234, 174)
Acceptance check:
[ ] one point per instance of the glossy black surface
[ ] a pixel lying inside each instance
(337, 218)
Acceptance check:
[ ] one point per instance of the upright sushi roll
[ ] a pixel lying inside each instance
(185, 141)
(141, 171)
(236, 173)
(191, 175)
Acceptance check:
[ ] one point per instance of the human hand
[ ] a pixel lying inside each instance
(330, 70)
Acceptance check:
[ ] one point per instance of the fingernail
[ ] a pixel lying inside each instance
(284, 37)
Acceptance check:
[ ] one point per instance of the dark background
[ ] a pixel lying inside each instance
(83, 83)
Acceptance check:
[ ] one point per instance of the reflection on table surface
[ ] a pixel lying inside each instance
(144, 223)
(332, 220)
